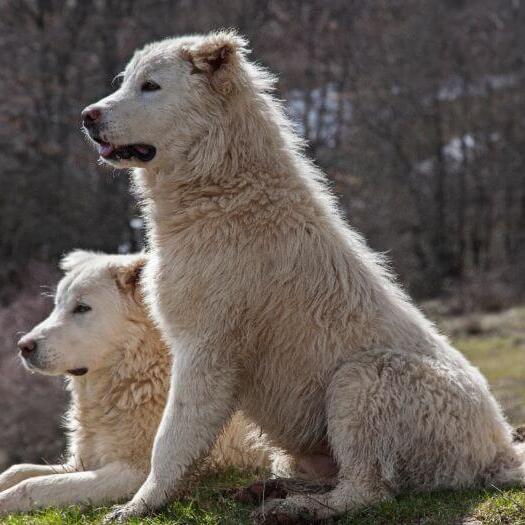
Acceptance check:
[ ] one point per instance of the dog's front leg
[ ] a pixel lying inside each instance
(17, 473)
(200, 401)
(111, 483)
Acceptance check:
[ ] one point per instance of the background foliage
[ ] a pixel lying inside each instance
(414, 108)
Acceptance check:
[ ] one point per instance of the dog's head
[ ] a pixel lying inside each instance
(95, 303)
(168, 93)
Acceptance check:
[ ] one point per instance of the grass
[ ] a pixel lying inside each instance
(209, 507)
(495, 343)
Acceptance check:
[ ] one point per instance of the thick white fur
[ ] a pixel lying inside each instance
(116, 407)
(273, 305)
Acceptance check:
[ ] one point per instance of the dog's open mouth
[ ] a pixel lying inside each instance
(142, 152)
(77, 371)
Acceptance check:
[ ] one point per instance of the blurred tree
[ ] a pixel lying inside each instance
(414, 108)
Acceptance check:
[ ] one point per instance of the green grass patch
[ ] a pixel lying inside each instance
(208, 506)
(446, 508)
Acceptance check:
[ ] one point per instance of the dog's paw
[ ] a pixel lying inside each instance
(10, 477)
(16, 499)
(121, 513)
(281, 512)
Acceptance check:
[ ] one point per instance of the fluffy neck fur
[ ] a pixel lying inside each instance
(245, 143)
(137, 376)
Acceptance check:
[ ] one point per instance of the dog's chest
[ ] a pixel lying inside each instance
(190, 287)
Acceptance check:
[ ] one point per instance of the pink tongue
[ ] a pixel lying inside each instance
(105, 149)
(142, 149)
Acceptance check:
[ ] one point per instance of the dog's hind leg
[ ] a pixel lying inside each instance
(111, 483)
(399, 422)
(359, 482)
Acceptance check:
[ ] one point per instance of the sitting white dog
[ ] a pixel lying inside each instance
(118, 372)
(273, 305)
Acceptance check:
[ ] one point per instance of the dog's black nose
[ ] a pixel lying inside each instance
(27, 346)
(90, 116)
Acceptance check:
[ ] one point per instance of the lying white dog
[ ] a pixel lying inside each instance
(118, 373)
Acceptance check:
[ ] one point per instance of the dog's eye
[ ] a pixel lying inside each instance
(81, 308)
(149, 85)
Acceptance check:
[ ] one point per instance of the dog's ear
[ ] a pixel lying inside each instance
(75, 258)
(217, 56)
(127, 277)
